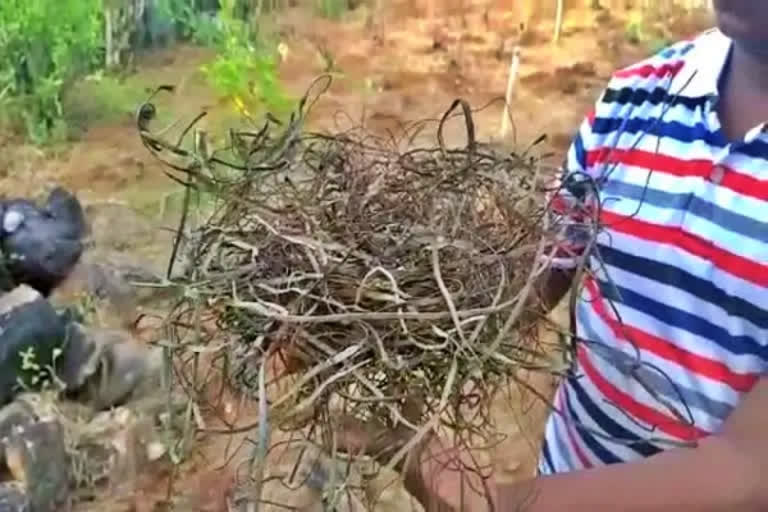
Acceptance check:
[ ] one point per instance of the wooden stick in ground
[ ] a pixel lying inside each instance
(514, 68)
(558, 21)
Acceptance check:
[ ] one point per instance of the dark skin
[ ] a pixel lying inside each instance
(743, 102)
(725, 472)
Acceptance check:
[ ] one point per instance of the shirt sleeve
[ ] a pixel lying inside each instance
(572, 197)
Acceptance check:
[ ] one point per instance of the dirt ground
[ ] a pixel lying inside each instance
(394, 66)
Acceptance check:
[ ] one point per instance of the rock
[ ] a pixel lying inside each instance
(125, 369)
(105, 365)
(134, 228)
(37, 458)
(14, 415)
(112, 448)
(118, 299)
(30, 333)
(51, 404)
(155, 451)
(114, 281)
(80, 357)
(13, 498)
(42, 244)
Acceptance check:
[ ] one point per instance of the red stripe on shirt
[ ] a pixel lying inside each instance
(591, 117)
(736, 265)
(560, 205)
(648, 70)
(739, 182)
(565, 205)
(704, 366)
(636, 409)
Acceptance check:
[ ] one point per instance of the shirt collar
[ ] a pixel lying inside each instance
(705, 62)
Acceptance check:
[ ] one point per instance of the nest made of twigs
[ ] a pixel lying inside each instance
(376, 273)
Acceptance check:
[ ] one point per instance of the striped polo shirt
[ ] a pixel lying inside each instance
(670, 220)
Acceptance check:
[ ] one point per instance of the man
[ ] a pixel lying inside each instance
(667, 406)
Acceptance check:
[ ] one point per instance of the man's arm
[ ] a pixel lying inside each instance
(568, 200)
(726, 472)
(552, 288)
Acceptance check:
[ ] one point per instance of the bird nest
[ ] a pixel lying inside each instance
(374, 270)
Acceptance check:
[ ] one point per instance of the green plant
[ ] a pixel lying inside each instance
(635, 30)
(332, 9)
(43, 49)
(249, 80)
(37, 376)
(245, 70)
(192, 25)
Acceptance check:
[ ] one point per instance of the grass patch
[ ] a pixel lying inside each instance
(95, 99)
(101, 98)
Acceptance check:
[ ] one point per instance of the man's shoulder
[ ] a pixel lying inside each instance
(668, 62)
(634, 89)
(638, 90)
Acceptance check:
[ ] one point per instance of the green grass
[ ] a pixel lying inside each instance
(101, 98)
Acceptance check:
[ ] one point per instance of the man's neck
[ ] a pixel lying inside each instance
(750, 65)
(744, 92)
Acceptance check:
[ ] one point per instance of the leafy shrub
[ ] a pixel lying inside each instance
(245, 70)
(44, 47)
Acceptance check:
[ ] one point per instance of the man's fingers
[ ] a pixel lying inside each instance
(376, 438)
(372, 438)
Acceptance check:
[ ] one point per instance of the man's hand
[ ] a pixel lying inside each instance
(441, 477)
(726, 472)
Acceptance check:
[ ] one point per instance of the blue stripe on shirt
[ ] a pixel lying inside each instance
(608, 425)
(653, 126)
(605, 456)
(738, 345)
(676, 277)
(657, 96)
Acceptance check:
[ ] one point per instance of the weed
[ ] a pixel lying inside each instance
(37, 376)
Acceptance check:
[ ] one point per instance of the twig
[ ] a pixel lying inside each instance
(514, 68)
